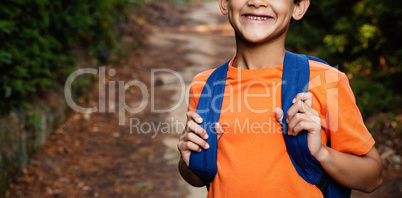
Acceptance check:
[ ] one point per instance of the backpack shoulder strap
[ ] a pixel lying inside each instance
(203, 163)
(295, 79)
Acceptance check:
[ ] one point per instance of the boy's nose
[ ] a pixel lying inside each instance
(258, 3)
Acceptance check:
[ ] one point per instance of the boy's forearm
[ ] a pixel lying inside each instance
(361, 173)
(189, 176)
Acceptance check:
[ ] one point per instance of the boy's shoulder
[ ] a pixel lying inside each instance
(203, 76)
(319, 66)
(330, 73)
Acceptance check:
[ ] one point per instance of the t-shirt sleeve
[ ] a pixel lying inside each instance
(194, 94)
(347, 131)
(192, 103)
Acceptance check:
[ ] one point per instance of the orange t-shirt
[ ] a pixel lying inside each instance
(252, 159)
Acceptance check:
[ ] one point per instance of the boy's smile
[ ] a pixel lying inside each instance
(259, 21)
(253, 18)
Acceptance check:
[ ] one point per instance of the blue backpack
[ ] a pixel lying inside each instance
(295, 78)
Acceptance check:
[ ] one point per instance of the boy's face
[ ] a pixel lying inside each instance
(259, 21)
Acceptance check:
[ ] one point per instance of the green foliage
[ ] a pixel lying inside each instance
(37, 38)
(363, 38)
(373, 97)
(33, 123)
(19, 160)
(143, 187)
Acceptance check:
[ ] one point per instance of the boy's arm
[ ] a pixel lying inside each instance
(188, 143)
(360, 172)
(189, 176)
(191, 141)
(352, 159)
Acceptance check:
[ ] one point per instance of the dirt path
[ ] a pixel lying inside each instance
(207, 43)
(91, 155)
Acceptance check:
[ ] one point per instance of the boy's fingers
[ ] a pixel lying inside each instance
(297, 107)
(302, 121)
(186, 146)
(291, 124)
(194, 127)
(300, 107)
(219, 129)
(303, 125)
(191, 137)
(297, 118)
(278, 114)
(306, 97)
(191, 115)
(299, 127)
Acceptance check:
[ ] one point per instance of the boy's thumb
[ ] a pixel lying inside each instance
(278, 114)
(219, 129)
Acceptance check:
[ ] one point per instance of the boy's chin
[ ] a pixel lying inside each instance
(254, 39)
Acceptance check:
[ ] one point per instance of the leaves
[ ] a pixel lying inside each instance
(359, 36)
(37, 38)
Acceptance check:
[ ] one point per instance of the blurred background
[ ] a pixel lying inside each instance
(49, 150)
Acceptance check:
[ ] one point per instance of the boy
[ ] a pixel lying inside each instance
(252, 157)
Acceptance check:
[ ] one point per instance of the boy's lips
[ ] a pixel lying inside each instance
(257, 17)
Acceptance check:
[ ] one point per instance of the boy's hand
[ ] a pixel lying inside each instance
(191, 139)
(301, 116)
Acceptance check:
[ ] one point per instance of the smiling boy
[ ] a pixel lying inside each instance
(253, 162)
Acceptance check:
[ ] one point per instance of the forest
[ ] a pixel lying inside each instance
(44, 41)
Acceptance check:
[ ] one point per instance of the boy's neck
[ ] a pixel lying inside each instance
(258, 56)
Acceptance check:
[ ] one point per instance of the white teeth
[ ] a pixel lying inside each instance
(257, 18)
